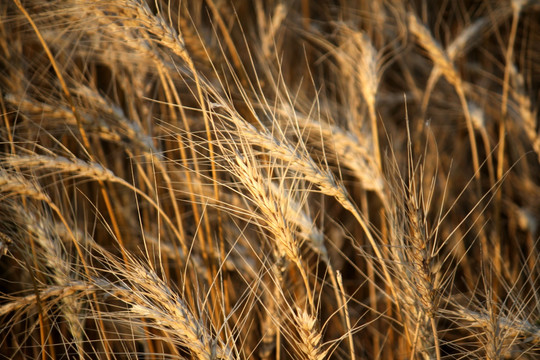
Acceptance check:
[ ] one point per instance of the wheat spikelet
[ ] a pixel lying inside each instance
(350, 152)
(309, 338)
(446, 66)
(14, 185)
(20, 304)
(147, 296)
(415, 249)
(529, 116)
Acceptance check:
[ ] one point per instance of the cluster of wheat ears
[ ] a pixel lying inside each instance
(269, 179)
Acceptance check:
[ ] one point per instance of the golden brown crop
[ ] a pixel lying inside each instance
(281, 179)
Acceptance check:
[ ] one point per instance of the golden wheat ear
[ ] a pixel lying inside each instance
(269, 179)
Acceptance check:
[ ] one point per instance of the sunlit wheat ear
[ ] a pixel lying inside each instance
(309, 338)
(52, 253)
(298, 160)
(272, 201)
(415, 249)
(367, 75)
(31, 228)
(149, 297)
(440, 57)
(79, 169)
(501, 333)
(466, 40)
(360, 64)
(528, 115)
(348, 150)
(15, 185)
(139, 17)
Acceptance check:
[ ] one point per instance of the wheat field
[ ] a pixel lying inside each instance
(269, 179)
